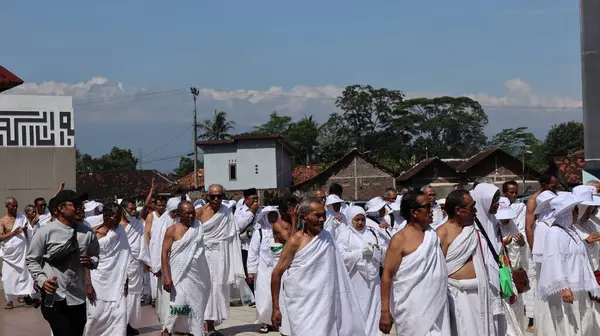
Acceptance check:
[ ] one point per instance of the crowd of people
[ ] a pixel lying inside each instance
(479, 262)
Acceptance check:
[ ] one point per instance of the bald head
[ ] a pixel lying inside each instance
(9, 200)
(320, 194)
(216, 188)
(186, 211)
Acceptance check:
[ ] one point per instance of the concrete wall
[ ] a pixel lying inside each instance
(256, 164)
(37, 153)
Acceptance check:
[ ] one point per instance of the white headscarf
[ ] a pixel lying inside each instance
(262, 219)
(352, 212)
(483, 196)
(331, 200)
(172, 204)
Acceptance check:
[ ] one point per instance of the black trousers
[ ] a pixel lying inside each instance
(245, 262)
(65, 320)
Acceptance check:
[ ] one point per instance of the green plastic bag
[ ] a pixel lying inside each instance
(506, 283)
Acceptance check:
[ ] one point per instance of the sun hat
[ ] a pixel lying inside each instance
(585, 194)
(375, 204)
(543, 201)
(504, 210)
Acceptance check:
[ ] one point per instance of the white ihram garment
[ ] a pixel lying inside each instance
(157, 235)
(420, 287)
(140, 258)
(16, 279)
(224, 257)
(191, 282)
(518, 260)
(318, 294)
(565, 265)
(284, 329)
(584, 230)
(261, 263)
(107, 316)
(363, 272)
(470, 304)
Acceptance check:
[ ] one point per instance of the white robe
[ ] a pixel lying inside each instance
(318, 294)
(419, 299)
(518, 260)
(107, 316)
(191, 281)
(364, 273)
(16, 279)
(261, 263)
(470, 302)
(45, 218)
(565, 264)
(224, 257)
(584, 230)
(162, 297)
(284, 329)
(140, 258)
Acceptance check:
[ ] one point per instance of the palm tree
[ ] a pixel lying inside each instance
(216, 129)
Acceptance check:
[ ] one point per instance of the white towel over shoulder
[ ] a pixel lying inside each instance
(318, 293)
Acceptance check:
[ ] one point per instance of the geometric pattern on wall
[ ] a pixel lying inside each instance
(44, 128)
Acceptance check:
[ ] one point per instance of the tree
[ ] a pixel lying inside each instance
(117, 159)
(335, 139)
(302, 135)
(218, 128)
(186, 166)
(277, 124)
(515, 141)
(447, 127)
(564, 139)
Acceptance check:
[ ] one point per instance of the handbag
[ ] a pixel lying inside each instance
(519, 277)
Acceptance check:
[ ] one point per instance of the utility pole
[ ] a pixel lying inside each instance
(590, 77)
(195, 93)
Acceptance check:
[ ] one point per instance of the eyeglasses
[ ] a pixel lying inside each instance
(468, 207)
(425, 206)
(216, 196)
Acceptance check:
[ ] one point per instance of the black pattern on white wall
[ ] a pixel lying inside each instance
(37, 129)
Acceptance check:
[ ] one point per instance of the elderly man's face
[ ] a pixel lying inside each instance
(315, 219)
(431, 195)
(391, 196)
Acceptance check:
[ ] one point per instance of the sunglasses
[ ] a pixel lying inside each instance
(216, 196)
(425, 206)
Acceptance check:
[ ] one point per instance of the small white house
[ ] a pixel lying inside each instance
(248, 161)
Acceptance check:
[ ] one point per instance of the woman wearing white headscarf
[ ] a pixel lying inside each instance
(363, 256)
(587, 227)
(261, 264)
(336, 220)
(487, 197)
(513, 241)
(566, 277)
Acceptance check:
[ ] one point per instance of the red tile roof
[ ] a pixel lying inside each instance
(278, 138)
(303, 173)
(571, 167)
(188, 180)
(8, 80)
(123, 184)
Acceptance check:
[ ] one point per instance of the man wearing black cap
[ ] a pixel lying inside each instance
(245, 218)
(63, 249)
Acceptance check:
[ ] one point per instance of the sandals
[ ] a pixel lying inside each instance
(264, 329)
(9, 305)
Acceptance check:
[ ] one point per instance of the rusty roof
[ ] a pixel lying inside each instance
(278, 138)
(123, 184)
(571, 167)
(303, 173)
(188, 180)
(8, 80)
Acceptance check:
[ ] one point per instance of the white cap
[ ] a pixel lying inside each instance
(199, 203)
(585, 194)
(173, 203)
(504, 210)
(333, 199)
(91, 205)
(375, 204)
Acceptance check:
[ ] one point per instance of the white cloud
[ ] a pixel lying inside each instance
(101, 100)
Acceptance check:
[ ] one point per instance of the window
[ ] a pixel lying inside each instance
(232, 172)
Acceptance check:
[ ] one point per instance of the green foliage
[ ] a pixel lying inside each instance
(516, 142)
(564, 139)
(186, 166)
(117, 159)
(277, 124)
(216, 129)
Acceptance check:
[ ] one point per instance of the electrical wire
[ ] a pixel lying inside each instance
(169, 142)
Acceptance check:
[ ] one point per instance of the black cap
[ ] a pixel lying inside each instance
(66, 196)
(250, 192)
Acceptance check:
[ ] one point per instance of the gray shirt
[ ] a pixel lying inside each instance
(53, 253)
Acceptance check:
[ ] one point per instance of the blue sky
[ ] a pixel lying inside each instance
(308, 49)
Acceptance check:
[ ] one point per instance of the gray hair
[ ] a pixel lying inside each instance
(29, 207)
(592, 183)
(9, 200)
(305, 205)
(425, 187)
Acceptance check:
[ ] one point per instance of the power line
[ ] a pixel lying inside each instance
(168, 142)
(178, 156)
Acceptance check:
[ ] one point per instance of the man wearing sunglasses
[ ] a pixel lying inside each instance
(221, 241)
(63, 249)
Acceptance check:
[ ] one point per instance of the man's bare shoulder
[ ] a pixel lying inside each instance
(532, 201)
(400, 236)
(150, 218)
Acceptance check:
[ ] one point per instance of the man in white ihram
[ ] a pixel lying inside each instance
(185, 273)
(318, 293)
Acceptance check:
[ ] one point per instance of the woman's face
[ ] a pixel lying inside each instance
(495, 203)
(272, 216)
(359, 222)
(504, 221)
(337, 207)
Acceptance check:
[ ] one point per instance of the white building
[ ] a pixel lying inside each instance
(248, 161)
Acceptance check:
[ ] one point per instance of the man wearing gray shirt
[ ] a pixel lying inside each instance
(61, 249)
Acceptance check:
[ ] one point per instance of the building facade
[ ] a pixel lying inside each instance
(361, 178)
(262, 162)
(37, 146)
